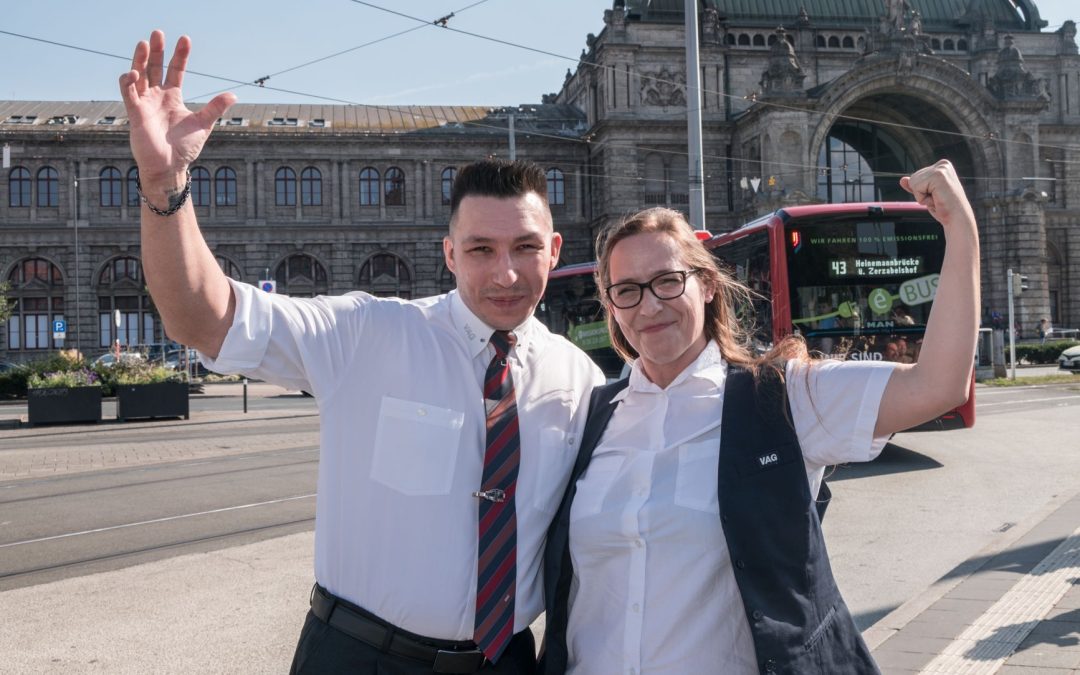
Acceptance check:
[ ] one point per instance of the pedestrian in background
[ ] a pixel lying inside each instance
(689, 539)
(444, 444)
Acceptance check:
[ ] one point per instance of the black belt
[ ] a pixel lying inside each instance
(461, 657)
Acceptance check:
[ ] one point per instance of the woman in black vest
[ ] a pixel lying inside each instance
(689, 539)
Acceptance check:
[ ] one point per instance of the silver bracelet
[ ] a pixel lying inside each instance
(175, 207)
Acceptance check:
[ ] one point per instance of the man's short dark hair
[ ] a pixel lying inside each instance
(497, 178)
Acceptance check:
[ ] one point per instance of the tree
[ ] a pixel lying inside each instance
(6, 306)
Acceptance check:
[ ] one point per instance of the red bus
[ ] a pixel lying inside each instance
(855, 280)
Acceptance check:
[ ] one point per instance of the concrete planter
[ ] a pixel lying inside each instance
(58, 405)
(159, 399)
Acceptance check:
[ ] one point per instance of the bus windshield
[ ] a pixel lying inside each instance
(863, 285)
(570, 307)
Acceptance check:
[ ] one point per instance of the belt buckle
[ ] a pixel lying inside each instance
(458, 662)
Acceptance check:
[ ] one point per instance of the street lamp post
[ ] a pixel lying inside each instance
(78, 302)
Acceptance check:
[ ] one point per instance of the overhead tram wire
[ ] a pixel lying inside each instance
(260, 82)
(584, 62)
(402, 110)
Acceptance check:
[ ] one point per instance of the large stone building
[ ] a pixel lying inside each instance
(809, 100)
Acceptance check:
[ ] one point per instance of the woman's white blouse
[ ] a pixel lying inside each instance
(653, 590)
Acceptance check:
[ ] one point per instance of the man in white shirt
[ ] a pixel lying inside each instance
(444, 446)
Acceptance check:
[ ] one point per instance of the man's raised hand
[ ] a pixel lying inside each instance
(166, 137)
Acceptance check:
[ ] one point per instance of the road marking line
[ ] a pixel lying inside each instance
(992, 638)
(1027, 400)
(155, 520)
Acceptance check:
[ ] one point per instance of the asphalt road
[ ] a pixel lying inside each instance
(895, 527)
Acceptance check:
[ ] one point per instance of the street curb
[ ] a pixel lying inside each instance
(895, 621)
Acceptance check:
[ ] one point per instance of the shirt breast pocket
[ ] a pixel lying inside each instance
(416, 447)
(697, 477)
(595, 485)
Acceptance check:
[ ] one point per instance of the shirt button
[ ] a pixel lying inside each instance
(758, 615)
(639, 543)
(770, 666)
(636, 607)
(740, 564)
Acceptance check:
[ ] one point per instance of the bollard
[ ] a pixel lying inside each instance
(245, 395)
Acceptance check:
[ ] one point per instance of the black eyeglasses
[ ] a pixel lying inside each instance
(665, 286)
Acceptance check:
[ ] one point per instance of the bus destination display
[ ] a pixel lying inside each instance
(874, 267)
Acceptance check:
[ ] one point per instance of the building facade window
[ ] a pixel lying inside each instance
(231, 269)
(851, 159)
(311, 187)
(386, 275)
(121, 287)
(285, 187)
(369, 187)
(111, 186)
(302, 276)
(133, 186)
(19, 187)
(48, 187)
(37, 297)
(448, 176)
(394, 186)
(225, 186)
(655, 188)
(200, 186)
(556, 187)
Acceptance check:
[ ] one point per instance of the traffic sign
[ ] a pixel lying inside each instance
(59, 326)
(268, 285)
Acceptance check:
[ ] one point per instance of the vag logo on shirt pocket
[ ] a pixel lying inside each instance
(764, 459)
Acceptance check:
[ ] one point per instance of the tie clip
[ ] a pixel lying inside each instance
(494, 495)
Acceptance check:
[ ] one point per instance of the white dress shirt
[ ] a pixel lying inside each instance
(653, 590)
(403, 434)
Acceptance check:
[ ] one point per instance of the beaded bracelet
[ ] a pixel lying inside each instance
(175, 207)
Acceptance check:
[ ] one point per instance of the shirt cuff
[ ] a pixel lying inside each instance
(863, 436)
(248, 337)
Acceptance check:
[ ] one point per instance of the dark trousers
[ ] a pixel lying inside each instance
(324, 650)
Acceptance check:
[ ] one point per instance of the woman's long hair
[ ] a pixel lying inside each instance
(730, 297)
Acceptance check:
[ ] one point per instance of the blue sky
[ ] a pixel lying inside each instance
(244, 40)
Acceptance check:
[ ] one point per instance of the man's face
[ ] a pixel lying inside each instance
(501, 250)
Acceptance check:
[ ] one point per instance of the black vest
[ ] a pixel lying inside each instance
(799, 622)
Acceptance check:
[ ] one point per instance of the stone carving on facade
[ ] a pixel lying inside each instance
(1068, 37)
(784, 76)
(710, 24)
(616, 18)
(663, 88)
(900, 30)
(803, 19)
(1012, 79)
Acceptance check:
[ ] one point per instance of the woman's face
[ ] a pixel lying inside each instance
(668, 334)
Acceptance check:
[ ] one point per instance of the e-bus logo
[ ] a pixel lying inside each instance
(920, 290)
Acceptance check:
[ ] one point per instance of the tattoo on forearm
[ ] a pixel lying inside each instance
(175, 196)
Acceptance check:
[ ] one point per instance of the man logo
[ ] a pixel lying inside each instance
(766, 460)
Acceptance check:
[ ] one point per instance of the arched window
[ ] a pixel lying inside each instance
(311, 187)
(229, 267)
(961, 45)
(37, 297)
(834, 42)
(744, 40)
(19, 187)
(386, 275)
(301, 276)
(730, 39)
(949, 45)
(111, 186)
(852, 156)
(556, 187)
(820, 41)
(655, 191)
(121, 287)
(369, 187)
(133, 186)
(935, 44)
(772, 39)
(48, 187)
(285, 187)
(678, 185)
(448, 176)
(759, 40)
(849, 43)
(200, 186)
(225, 186)
(395, 186)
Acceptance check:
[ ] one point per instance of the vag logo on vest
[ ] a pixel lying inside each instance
(766, 460)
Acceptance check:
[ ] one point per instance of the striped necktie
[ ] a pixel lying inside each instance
(497, 552)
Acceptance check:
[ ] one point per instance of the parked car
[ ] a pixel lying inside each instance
(109, 358)
(1070, 360)
(5, 366)
(173, 361)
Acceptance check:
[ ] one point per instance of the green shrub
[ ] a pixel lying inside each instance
(1041, 353)
(83, 377)
(13, 383)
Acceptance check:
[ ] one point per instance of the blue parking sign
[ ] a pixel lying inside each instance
(59, 326)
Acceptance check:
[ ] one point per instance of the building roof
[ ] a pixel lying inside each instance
(105, 116)
(1018, 15)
